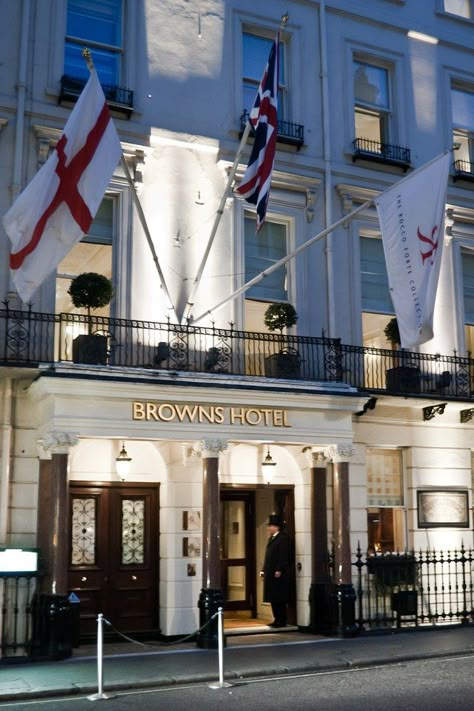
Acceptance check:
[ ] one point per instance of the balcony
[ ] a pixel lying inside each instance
(29, 339)
(365, 149)
(463, 170)
(119, 99)
(290, 133)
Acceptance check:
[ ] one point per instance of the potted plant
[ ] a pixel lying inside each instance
(401, 378)
(90, 291)
(286, 363)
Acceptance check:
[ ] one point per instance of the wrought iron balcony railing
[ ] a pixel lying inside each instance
(367, 149)
(29, 338)
(288, 132)
(463, 169)
(118, 98)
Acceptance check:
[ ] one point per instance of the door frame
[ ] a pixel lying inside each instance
(248, 496)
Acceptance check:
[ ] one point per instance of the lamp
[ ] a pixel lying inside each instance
(122, 463)
(268, 463)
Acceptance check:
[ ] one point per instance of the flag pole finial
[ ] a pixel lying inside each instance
(86, 53)
(284, 20)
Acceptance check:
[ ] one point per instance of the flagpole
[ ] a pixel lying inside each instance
(217, 220)
(282, 261)
(143, 221)
(220, 209)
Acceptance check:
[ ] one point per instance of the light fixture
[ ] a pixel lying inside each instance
(122, 463)
(268, 463)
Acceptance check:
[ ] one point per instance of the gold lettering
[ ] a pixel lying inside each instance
(151, 413)
(249, 415)
(285, 419)
(278, 418)
(182, 412)
(206, 413)
(162, 409)
(267, 415)
(138, 411)
(219, 413)
(234, 416)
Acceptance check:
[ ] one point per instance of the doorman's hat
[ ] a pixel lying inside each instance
(274, 520)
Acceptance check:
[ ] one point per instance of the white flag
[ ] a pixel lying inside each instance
(411, 215)
(57, 207)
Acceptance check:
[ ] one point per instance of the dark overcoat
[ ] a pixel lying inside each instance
(276, 558)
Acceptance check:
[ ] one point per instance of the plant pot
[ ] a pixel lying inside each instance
(283, 365)
(90, 349)
(403, 379)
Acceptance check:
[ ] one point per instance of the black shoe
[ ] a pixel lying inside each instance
(277, 625)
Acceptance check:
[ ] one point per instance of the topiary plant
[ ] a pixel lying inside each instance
(392, 334)
(280, 315)
(90, 291)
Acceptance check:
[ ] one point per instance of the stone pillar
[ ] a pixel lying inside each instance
(344, 590)
(53, 510)
(211, 597)
(320, 594)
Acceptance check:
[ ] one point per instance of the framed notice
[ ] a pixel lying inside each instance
(191, 547)
(443, 508)
(191, 520)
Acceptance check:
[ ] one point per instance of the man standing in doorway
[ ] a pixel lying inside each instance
(275, 571)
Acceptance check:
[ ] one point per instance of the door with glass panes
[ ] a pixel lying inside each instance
(113, 565)
(238, 550)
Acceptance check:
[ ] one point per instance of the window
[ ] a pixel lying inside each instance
(372, 102)
(261, 252)
(92, 254)
(468, 294)
(255, 52)
(463, 8)
(97, 25)
(376, 302)
(462, 102)
(385, 500)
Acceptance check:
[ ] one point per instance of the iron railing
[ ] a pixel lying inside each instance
(287, 131)
(29, 338)
(463, 169)
(382, 152)
(17, 595)
(411, 589)
(118, 97)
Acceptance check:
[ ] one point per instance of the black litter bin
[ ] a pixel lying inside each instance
(53, 627)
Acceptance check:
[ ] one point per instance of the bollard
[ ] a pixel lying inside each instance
(221, 684)
(100, 659)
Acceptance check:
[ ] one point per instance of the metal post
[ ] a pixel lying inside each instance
(221, 684)
(100, 666)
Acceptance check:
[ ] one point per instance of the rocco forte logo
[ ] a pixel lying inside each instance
(209, 414)
(431, 242)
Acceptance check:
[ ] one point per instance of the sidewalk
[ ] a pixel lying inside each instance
(130, 666)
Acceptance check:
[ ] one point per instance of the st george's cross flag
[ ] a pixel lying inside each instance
(57, 207)
(255, 185)
(411, 215)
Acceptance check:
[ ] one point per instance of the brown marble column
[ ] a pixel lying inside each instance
(211, 597)
(344, 590)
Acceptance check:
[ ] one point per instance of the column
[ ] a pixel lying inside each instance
(53, 632)
(211, 597)
(320, 594)
(344, 590)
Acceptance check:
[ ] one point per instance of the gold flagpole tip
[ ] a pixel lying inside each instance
(86, 53)
(284, 19)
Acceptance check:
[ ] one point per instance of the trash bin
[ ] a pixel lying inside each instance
(75, 619)
(53, 629)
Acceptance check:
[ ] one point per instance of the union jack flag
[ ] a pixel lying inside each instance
(255, 185)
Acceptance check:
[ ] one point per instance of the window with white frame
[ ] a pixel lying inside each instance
(462, 104)
(467, 258)
(372, 102)
(463, 8)
(261, 252)
(385, 500)
(98, 26)
(255, 52)
(377, 307)
(92, 254)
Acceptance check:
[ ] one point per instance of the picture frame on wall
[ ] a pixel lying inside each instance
(191, 520)
(443, 508)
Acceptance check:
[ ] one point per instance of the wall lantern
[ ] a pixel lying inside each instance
(122, 463)
(267, 466)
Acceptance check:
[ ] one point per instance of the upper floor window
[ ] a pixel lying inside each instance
(98, 26)
(372, 101)
(261, 252)
(255, 53)
(462, 102)
(463, 8)
(468, 297)
(376, 303)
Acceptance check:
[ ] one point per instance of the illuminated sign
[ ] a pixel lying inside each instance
(210, 414)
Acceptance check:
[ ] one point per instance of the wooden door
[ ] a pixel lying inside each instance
(285, 508)
(238, 550)
(114, 555)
